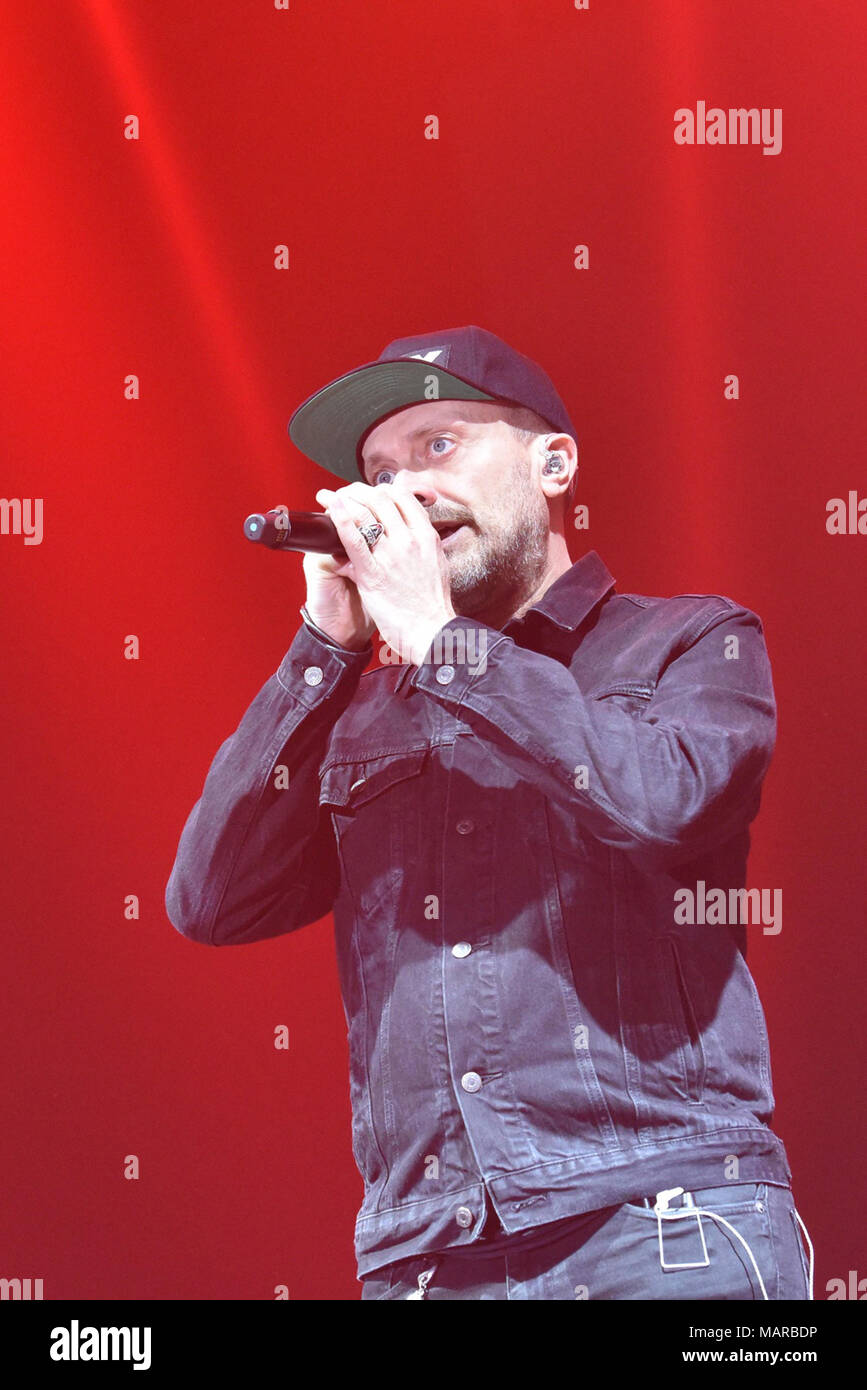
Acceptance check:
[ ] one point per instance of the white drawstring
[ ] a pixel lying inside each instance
(810, 1247)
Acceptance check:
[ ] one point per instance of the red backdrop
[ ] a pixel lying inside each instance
(155, 257)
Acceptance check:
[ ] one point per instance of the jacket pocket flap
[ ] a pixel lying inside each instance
(641, 690)
(354, 783)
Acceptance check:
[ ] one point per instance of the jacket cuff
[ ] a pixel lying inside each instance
(456, 658)
(313, 667)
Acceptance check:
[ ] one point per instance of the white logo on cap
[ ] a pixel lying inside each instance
(426, 356)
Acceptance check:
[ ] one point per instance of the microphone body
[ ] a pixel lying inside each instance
(281, 529)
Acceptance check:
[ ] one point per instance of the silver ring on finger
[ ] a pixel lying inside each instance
(371, 533)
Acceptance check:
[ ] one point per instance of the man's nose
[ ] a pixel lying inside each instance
(417, 485)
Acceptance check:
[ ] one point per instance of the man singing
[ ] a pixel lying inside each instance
(559, 1075)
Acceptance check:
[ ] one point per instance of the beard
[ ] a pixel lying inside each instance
(499, 566)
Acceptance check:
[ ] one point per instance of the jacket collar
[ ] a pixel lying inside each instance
(573, 594)
(566, 602)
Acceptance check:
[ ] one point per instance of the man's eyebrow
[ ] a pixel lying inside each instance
(460, 425)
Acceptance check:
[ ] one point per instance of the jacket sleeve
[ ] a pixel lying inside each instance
(674, 778)
(255, 858)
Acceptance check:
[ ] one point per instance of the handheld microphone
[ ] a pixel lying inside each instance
(281, 529)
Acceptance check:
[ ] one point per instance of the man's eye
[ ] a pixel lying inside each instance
(382, 477)
(440, 439)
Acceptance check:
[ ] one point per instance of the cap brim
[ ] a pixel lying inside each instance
(328, 425)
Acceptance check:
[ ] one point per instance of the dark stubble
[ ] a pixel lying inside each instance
(502, 562)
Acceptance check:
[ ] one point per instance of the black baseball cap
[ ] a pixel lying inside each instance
(467, 364)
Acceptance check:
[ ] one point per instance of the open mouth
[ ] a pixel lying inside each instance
(447, 530)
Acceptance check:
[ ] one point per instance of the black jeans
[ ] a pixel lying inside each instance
(750, 1248)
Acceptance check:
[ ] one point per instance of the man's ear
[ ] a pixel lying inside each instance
(557, 464)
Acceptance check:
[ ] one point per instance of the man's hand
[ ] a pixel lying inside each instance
(403, 582)
(334, 603)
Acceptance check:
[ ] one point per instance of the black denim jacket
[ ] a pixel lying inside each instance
(500, 833)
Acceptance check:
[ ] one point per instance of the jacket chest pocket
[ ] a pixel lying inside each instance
(633, 696)
(376, 808)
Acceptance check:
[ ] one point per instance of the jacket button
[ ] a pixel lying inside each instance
(313, 675)
(462, 949)
(464, 827)
(464, 1216)
(445, 674)
(471, 1081)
